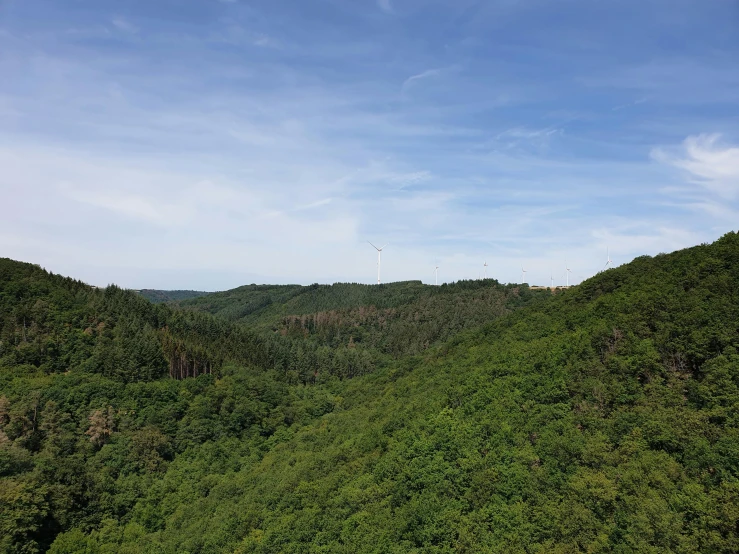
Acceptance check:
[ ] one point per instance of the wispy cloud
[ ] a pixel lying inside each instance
(522, 132)
(629, 104)
(301, 208)
(265, 42)
(243, 138)
(428, 74)
(708, 163)
(385, 5)
(123, 24)
(129, 205)
(516, 136)
(406, 180)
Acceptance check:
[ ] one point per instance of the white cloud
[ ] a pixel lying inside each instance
(129, 205)
(111, 213)
(301, 208)
(405, 180)
(122, 24)
(516, 136)
(522, 132)
(283, 165)
(429, 73)
(264, 41)
(629, 104)
(708, 162)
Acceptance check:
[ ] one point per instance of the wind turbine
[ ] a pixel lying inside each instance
(379, 255)
(436, 273)
(567, 273)
(551, 279)
(485, 265)
(609, 262)
(523, 275)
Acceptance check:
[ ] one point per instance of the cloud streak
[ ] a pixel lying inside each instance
(122, 24)
(707, 162)
(414, 79)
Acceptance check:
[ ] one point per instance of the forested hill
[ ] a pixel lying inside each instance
(54, 324)
(603, 419)
(51, 324)
(268, 304)
(391, 319)
(157, 296)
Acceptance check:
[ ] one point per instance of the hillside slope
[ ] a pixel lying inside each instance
(85, 373)
(269, 304)
(52, 324)
(392, 319)
(603, 419)
(157, 296)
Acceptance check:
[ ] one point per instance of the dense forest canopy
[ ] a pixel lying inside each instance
(157, 296)
(474, 417)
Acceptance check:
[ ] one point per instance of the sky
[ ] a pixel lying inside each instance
(207, 144)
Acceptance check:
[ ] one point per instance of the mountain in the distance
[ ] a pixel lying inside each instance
(485, 418)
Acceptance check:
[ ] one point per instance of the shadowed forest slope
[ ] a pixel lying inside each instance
(601, 419)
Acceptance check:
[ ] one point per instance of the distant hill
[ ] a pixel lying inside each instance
(159, 296)
(395, 319)
(355, 419)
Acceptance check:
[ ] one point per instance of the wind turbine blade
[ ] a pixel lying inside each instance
(373, 246)
(383, 246)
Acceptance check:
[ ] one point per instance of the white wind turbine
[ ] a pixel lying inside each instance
(436, 275)
(609, 262)
(379, 255)
(523, 274)
(567, 273)
(551, 279)
(485, 265)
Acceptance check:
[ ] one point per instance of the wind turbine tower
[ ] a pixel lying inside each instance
(567, 273)
(609, 262)
(523, 274)
(551, 279)
(485, 265)
(379, 259)
(436, 274)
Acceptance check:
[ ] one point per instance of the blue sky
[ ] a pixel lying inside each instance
(207, 144)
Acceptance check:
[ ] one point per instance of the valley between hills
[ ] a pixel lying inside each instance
(468, 417)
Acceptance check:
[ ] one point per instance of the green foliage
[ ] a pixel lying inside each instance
(270, 304)
(602, 419)
(390, 320)
(159, 296)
